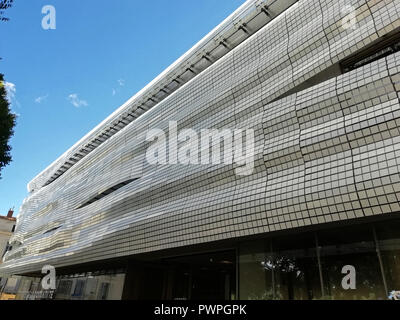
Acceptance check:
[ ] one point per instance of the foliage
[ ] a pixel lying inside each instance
(4, 4)
(7, 123)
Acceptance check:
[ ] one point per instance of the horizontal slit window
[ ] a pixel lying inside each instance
(52, 229)
(106, 192)
(383, 47)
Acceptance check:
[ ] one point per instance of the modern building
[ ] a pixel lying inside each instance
(317, 83)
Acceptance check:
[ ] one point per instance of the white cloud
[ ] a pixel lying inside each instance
(11, 91)
(121, 83)
(75, 101)
(41, 98)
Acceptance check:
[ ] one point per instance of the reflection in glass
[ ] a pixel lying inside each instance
(103, 293)
(351, 246)
(296, 269)
(316, 266)
(100, 287)
(388, 235)
(272, 271)
(255, 278)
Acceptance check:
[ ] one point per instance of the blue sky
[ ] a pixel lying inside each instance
(63, 82)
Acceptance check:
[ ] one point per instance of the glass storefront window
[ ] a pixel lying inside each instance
(103, 292)
(207, 276)
(63, 291)
(352, 246)
(78, 289)
(89, 287)
(357, 262)
(254, 272)
(296, 268)
(388, 235)
(282, 269)
(111, 286)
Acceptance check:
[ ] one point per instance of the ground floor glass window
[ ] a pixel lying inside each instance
(358, 262)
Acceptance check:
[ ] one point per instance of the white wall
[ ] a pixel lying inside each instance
(5, 234)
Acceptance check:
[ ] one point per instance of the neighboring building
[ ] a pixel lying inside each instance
(318, 81)
(7, 225)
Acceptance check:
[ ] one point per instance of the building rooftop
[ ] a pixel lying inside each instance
(7, 218)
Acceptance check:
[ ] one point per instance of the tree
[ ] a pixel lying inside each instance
(7, 119)
(7, 123)
(4, 4)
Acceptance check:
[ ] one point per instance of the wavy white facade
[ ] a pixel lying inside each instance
(323, 153)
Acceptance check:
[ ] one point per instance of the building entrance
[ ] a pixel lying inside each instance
(210, 276)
